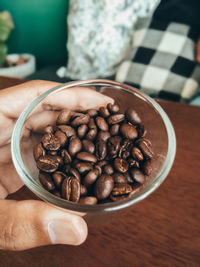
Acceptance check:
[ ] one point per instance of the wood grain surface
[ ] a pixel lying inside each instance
(162, 230)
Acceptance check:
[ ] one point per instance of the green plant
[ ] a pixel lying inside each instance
(6, 25)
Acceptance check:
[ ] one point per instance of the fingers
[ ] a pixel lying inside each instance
(31, 223)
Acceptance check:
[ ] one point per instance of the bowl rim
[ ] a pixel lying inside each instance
(83, 208)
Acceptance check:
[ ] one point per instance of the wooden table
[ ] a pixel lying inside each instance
(162, 230)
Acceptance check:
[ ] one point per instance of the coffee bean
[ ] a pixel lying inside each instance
(101, 149)
(86, 156)
(92, 133)
(116, 118)
(91, 177)
(135, 189)
(114, 130)
(132, 116)
(58, 177)
(82, 130)
(75, 146)
(104, 112)
(83, 167)
(128, 131)
(66, 156)
(121, 165)
(128, 178)
(79, 120)
(50, 129)
(101, 123)
(119, 178)
(50, 142)
(114, 146)
(92, 124)
(73, 172)
(52, 152)
(108, 169)
(83, 190)
(147, 167)
(46, 181)
(137, 154)
(71, 189)
(47, 163)
(103, 136)
(68, 130)
(133, 163)
(88, 146)
(103, 186)
(141, 130)
(63, 117)
(92, 112)
(145, 146)
(113, 108)
(88, 200)
(99, 169)
(59, 159)
(137, 175)
(125, 154)
(38, 151)
(61, 137)
(121, 189)
(102, 163)
(125, 146)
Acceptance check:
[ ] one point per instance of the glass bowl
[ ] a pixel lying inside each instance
(159, 131)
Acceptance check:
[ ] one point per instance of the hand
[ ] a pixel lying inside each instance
(31, 223)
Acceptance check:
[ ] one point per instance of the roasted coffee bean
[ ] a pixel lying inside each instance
(137, 154)
(52, 152)
(113, 108)
(83, 190)
(68, 130)
(101, 150)
(116, 118)
(98, 168)
(86, 156)
(128, 131)
(128, 178)
(121, 165)
(141, 130)
(46, 181)
(101, 123)
(135, 189)
(91, 177)
(66, 156)
(137, 175)
(92, 133)
(50, 129)
(63, 117)
(83, 167)
(50, 142)
(57, 193)
(133, 163)
(58, 177)
(38, 151)
(61, 137)
(75, 146)
(103, 136)
(114, 146)
(119, 178)
(125, 146)
(108, 169)
(59, 160)
(82, 130)
(104, 112)
(88, 200)
(132, 116)
(47, 163)
(75, 173)
(79, 120)
(121, 189)
(145, 146)
(71, 189)
(114, 129)
(102, 163)
(92, 112)
(92, 124)
(88, 146)
(125, 154)
(103, 186)
(147, 167)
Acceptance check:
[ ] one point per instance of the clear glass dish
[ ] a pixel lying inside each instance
(159, 131)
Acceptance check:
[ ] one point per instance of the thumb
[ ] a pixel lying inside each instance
(31, 223)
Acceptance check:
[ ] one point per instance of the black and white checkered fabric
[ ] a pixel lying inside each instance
(162, 61)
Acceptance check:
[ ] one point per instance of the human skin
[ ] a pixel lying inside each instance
(31, 223)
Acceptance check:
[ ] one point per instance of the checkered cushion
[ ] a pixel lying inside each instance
(162, 60)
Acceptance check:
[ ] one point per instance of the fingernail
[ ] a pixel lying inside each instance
(61, 232)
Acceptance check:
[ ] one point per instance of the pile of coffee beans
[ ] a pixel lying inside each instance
(94, 156)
